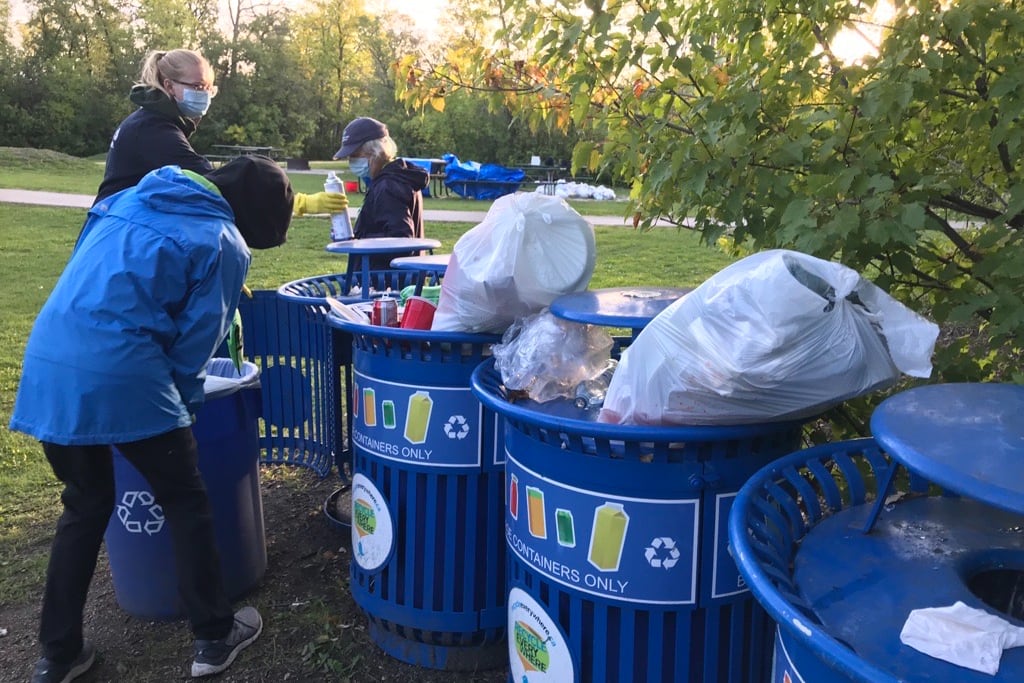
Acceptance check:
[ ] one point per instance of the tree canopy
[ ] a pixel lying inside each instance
(744, 120)
(288, 77)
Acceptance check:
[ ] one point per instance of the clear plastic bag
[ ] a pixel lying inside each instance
(548, 357)
(528, 250)
(778, 335)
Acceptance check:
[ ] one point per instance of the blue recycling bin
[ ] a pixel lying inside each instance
(428, 558)
(618, 562)
(308, 391)
(841, 542)
(138, 539)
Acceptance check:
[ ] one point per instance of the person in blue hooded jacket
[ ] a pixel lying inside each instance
(117, 356)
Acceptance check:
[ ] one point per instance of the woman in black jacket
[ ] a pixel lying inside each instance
(393, 206)
(174, 92)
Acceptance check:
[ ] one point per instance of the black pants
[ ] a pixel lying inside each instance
(169, 463)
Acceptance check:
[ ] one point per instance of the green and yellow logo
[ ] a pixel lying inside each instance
(364, 517)
(532, 651)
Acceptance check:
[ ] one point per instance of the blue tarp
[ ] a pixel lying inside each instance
(480, 181)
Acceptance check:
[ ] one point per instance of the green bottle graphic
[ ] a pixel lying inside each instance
(608, 536)
(564, 527)
(387, 413)
(418, 417)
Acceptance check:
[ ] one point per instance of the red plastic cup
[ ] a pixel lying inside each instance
(351, 186)
(418, 314)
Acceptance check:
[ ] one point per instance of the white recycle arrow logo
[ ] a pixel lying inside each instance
(662, 552)
(456, 427)
(153, 513)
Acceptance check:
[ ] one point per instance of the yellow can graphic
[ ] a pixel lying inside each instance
(417, 418)
(608, 536)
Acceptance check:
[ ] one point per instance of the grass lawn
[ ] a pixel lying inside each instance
(38, 240)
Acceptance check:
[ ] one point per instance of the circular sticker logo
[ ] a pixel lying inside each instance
(537, 650)
(372, 532)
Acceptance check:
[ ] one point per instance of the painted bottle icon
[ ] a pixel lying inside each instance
(387, 413)
(355, 399)
(535, 512)
(564, 528)
(513, 496)
(369, 407)
(608, 536)
(418, 417)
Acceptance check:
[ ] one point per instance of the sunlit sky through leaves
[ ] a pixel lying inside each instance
(425, 13)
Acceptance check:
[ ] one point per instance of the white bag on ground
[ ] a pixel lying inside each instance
(777, 335)
(528, 250)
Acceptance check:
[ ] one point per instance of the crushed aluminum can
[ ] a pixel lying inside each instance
(385, 312)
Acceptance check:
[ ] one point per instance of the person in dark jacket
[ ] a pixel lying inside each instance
(393, 206)
(174, 92)
(117, 355)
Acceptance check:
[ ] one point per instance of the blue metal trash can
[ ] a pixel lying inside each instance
(840, 593)
(318, 376)
(428, 560)
(138, 539)
(618, 563)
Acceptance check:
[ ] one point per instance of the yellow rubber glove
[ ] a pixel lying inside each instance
(321, 202)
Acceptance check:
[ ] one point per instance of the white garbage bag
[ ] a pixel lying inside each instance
(778, 335)
(529, 249)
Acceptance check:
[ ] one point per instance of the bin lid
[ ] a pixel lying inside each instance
(968, 438)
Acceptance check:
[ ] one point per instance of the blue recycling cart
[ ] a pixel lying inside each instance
(138, 539)
(619, 568)
(841, 542)
(428, 556)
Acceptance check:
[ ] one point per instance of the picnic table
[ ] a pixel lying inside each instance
(229, 152)
(434, 167)
(544, 176)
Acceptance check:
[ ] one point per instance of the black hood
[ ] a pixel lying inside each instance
(413, 176)
(156, 101)
(260, 196)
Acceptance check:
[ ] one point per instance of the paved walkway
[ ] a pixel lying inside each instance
(84, 201)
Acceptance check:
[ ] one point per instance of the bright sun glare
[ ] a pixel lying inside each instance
(853, 44)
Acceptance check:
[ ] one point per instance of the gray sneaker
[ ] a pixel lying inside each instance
(48, 671)
(214, 656)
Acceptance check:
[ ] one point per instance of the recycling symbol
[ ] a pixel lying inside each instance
(139, 513)
(662, 552)
(456, 427)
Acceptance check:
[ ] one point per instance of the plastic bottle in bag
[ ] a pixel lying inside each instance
(341, 226)
(590, 393)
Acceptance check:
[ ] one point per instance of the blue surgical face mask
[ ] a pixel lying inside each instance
(360, 166)
(194, 103)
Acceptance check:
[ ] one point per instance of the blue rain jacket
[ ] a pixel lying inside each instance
(119, 350)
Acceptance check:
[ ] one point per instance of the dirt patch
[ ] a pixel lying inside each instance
(313, 630)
